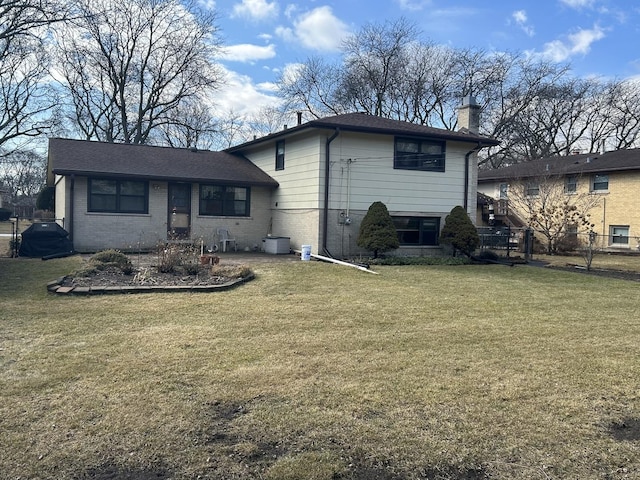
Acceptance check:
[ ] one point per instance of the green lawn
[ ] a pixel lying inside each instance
(316, 371)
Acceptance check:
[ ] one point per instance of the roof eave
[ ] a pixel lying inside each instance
(319, 125)
(161, 178)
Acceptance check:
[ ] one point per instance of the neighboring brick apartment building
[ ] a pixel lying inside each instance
(613, 176)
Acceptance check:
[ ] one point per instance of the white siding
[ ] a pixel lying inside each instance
(295, 207)
(361, 172)
(300, 179)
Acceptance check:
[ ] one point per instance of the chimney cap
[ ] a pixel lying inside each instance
(469, 100)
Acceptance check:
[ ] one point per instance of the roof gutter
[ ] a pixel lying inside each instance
(466, 173)
(325, 213)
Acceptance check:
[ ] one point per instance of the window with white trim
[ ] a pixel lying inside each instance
(619, 235)
(599, 183)
(571, 184)
(532, 189)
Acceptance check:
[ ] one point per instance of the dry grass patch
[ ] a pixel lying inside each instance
(322, 372)
(629, 263)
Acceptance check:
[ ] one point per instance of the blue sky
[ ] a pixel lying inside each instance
(264, 37)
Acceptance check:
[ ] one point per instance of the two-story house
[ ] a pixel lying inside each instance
(611, 179)
(312, 183)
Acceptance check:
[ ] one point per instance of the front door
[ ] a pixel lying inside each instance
(179, 215)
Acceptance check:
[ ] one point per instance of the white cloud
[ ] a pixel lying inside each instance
(246, 52)
(318, 29)
(208, 4)
(578, 3)
(521, 19)
(255, 9)
(240, 95)
(413, 5)
(578, 43)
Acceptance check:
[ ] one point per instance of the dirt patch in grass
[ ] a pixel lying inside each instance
(110, 471)
(627, 429)
(263, 456)
(600, 272)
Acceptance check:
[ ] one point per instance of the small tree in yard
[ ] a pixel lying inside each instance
(546, 207)
(377, 231)
(460, 232)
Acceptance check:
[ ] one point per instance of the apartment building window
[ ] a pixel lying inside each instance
(532, 189)
(571, 184)
(599, 183)
(417, 230)
(414, 154)
(224, 200)
(280, 155)
(619, 235)
(118, 196)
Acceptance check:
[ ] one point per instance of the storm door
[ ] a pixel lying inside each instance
(179, 215)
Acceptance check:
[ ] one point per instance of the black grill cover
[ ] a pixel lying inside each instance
(44, 239)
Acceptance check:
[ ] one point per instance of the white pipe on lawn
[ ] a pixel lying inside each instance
(340, 262)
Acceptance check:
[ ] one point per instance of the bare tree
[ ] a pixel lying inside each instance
(23, 172)
(129, 65)
(373, 57)
(25, 99)
(313, 87)
(536, 108)
(191, 125)
(545, 206)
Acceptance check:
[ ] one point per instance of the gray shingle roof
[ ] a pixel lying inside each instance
(81, 157)
(586, 163)
(362, 122)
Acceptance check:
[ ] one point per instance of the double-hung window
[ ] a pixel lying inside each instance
(224, 200)
(504, 191)
(280, 155)
(417, 230)
(118, 196)
(419, 154)
(619, 235)
(532, 189)
(600, 183)
(571, 184)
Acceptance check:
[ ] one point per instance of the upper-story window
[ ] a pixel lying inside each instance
(416, 154)
(118, 196)
(280, 155)
(599, 183)
(504, 191)
(532, 189)
(571, 184)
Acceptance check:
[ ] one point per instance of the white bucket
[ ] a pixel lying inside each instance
(306, 253)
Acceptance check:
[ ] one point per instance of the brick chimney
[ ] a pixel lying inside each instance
(469, 115)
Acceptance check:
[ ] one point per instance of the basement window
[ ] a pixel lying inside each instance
(417, 230)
